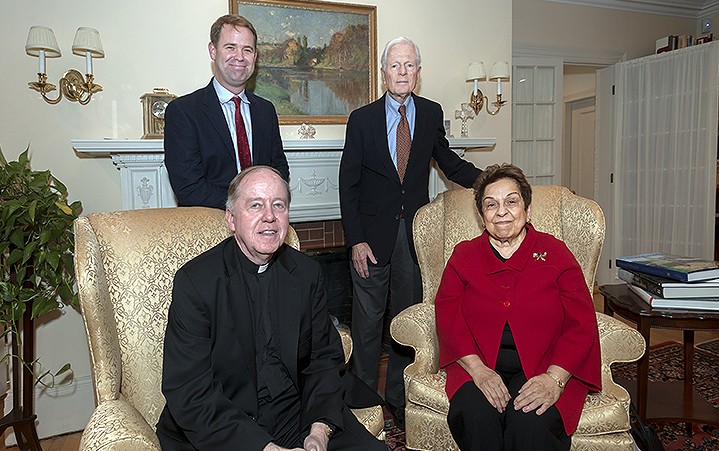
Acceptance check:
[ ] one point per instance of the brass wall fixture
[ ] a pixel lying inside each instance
(477, 73)
(74, 87)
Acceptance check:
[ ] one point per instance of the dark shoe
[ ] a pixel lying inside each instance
(397, 414)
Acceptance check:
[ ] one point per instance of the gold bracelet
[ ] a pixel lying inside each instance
(560, 382)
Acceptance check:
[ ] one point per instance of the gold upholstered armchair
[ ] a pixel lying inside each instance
(452, 217)
(125, 263)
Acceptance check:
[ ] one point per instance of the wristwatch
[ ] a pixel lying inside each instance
(560, 382)
(329, 430)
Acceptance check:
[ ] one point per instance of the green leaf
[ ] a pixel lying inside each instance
(27, 253)
(15, 256)
(17, 237)
(65, 293)
(53, 258)
(45, 236)
(31, 210)
(65, 368)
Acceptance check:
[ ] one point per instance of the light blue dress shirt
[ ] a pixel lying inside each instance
(228, 108)
(391, 108)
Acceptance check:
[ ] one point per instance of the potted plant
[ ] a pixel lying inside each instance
(36, 257)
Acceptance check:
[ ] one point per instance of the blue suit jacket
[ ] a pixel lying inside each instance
(199, 154)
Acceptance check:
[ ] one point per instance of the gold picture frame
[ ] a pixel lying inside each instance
(317, 61)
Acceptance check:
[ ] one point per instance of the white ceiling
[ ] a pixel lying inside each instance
(681, 8)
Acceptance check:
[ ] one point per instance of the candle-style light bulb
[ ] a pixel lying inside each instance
(88, 63)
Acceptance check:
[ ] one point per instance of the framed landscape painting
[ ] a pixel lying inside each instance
(317, 61)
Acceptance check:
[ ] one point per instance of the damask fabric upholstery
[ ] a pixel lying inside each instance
(125, 263)
(438, 227)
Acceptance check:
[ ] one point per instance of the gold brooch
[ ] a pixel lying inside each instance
(537, 256)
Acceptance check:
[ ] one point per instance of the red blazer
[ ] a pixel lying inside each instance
(541, 292)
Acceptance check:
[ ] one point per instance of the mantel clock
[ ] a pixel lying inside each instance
(153, 112)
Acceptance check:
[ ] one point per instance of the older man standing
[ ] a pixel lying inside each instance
(384, 178)
(251, 358)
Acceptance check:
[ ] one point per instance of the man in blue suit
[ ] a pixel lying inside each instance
(202, 129)
(384, 177)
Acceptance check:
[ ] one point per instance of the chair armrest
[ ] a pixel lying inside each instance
(116, 425)
(619, 343)
(346, 339)
(415, 326)
(97, 312)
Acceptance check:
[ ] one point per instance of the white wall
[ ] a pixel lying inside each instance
(578, 82)
(164, 44)
(566, 25)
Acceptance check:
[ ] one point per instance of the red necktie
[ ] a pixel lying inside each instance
(404, 143)
(243, 145)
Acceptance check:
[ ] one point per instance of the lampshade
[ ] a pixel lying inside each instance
(87, 40)
(42, 38)
(476, 72)
(500, 71)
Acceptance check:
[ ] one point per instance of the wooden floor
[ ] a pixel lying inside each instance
(71, 442)
(67, 442)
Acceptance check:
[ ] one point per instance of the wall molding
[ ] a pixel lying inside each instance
(693, 9)
(577, 56)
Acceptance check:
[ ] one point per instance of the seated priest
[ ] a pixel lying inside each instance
(251, 358)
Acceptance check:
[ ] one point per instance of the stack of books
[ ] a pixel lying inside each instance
(674, 42)
(672, 281)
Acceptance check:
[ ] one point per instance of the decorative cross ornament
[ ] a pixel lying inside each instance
(464, 114)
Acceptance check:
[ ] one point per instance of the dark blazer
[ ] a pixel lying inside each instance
(371, 195)
(209, 375)
(199, 154)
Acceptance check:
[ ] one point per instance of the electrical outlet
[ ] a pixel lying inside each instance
(706, 25)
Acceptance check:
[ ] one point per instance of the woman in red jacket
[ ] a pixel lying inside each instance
(517, 330)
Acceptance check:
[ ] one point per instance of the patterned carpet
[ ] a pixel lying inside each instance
(394, 436)
(665, 364)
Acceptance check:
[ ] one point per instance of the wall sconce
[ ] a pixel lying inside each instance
(477, 73)
(76, 88)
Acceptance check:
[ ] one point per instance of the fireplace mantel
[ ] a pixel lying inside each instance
(314, 172)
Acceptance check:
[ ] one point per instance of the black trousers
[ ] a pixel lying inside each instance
(477, 426)
(354, 437)
(401, 276)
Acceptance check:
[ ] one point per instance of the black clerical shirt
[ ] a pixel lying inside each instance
(278, 399)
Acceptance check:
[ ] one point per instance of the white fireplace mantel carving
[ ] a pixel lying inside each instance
(314, 172)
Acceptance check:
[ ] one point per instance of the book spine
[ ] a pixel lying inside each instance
(643, 295)
(653, 270)
(650, 286)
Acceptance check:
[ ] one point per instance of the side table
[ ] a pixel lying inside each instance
(676, 401)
